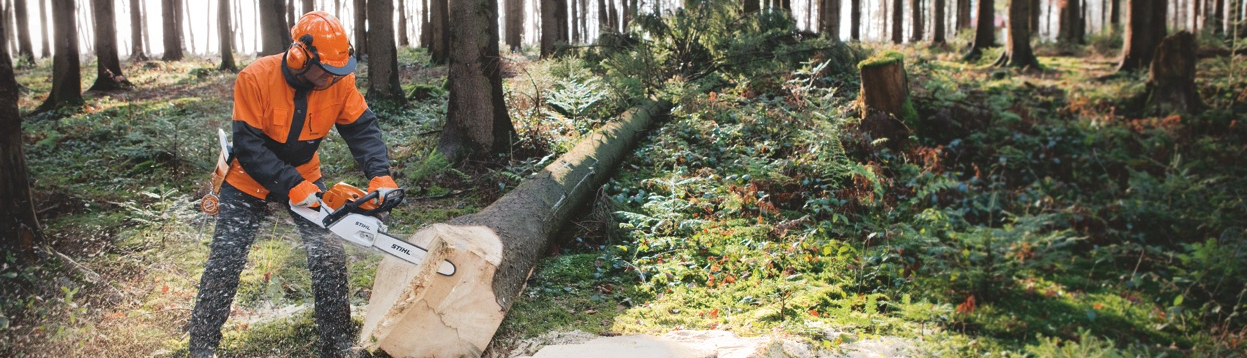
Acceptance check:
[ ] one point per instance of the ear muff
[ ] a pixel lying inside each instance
(297, 57)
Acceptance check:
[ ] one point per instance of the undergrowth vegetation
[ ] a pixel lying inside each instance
(1026, 214)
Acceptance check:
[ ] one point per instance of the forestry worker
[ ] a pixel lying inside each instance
(283, 107)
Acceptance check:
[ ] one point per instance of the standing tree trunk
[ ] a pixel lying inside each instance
(514, 24)
(361, 29)
(290, 17)
(383, 81)
(66, 78)
(426, 27)
(1145, 27)
(985, 32)
(183, 11)
(603, 17)
(1114, 15)
(584, 19)
(441, 32)
(575, 30)
(1071, 22)
(308, 6)
(752, 6)
(1036, 7)
(549, 27)
(939, 22)
(46, 50)
(402, 24)
(829, 18)
(963, 14)
(108, 66)
(1019, 52)
(855, 20)
(25, 50)
(1216, 14)
(916, 12)
(227, 38)
(898, 21)
(20, 233)
(1171, 77)
(136, 32)
(274, 32)
(172, 30)
(477, 123)
(560, 16)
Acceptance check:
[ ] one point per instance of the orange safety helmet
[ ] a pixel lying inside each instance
(320, 40)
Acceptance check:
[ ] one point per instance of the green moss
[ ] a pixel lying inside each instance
(882, 58)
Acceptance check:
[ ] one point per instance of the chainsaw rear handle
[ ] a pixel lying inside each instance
(392, 199)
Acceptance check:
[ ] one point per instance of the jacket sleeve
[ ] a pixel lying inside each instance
(363, 137)
(259, 162)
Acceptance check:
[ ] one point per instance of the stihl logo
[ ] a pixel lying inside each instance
(400, 249)
(363, 225)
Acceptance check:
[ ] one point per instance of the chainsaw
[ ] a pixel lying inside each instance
(351, 214)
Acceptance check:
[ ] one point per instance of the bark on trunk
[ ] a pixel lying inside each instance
(985, 32)
(1035, 9)
(752, 6)
(963, 14)
(1070, 22)
(441, 32)
(426, 27)
(940, 21)
(1171, 77)
(1019, 52)
(1145, 27)
(916, 14)
(383, 81)
(20, 233)
(108, 65)
(46, 50)
(549, 27)
(227, 37)
(829, 18)
(514, 24)
(66, 75)
(898, 24)
(275, 33)
(415, 312)
(575, 31)
(1214, 19)
(172, 30)
(25, 49)
(884, 97)
(402, 24)
(361, 29)
(855, 20)
(308, 6)
(477, 123)
(604, 19)
(136, 32)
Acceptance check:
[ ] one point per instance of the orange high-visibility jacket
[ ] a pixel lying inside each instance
(278, 128)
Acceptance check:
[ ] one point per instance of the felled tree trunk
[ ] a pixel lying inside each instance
(414, 312)
(884, 97)
(1171, 78)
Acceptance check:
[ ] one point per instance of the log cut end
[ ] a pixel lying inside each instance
(415, 312)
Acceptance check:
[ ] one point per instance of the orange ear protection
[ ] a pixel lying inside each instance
(297, 58)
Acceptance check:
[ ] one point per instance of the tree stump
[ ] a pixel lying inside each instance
(414, 312)
(884, 98)
(1171, 78)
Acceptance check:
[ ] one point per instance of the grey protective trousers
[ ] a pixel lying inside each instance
(239, 218)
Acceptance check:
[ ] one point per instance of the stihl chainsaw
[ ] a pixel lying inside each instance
(350, 213)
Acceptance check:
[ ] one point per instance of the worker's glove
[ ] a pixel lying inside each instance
(304, 195)
(382, 185)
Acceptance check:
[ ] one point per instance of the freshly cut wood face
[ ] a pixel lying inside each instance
(427, 311)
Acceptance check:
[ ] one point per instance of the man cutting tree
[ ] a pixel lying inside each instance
(284, 105)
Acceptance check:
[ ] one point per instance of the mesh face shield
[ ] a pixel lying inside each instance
(315, 76)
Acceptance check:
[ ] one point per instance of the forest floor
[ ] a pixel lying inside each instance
(1027, 213)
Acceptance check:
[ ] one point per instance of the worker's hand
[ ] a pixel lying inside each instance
(383, 185)
(304, 195)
